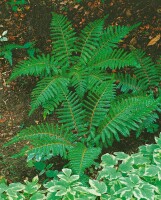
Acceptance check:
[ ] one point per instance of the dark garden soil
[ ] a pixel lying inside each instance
(30, 23)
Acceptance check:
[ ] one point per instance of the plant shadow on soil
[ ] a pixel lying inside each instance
(31, 24)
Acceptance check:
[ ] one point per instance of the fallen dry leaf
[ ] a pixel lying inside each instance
(76, 6)
(27, 7)
(154, 40)
(128, 13)
(2, 120)
(159, 10)
(133, 41)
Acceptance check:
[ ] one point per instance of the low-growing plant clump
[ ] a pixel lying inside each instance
(97, 92)
(121, 176)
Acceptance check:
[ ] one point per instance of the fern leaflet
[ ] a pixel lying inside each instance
(115, 60)
(71, 113)
(147, 71)
(82, 157)
(125, 115)
(36, 66)
(46, 139)
(46, 89)
(98, 103)
(88, 40)
(79, 80)
(110, 37)
(128, 83)
(63, 38)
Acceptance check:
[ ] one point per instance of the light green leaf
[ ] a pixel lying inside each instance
(13, 189)
(35, 179)
(137, 193)
(74, 178)
(61, 192)
(16, 187)
(127, 182)
(135, 179)
(151, 170)
(126, 166)
(121, 155)
(50, 184)
(100, 187)
(51, 196)
(126, 193)
(3, 187)
(31, 187)
(108, 160)
(145, 192)
(139, 159)
(38, 196)
(157, 156)
(109, 173)
(67, 172)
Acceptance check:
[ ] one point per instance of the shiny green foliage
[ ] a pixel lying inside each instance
(86, 84)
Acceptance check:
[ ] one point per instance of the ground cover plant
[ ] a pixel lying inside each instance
(17, 5)
(96, 90)
(6, 50)
(120, 176)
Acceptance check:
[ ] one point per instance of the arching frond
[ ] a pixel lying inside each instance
(117, 59)
(125, 115)
(128, 83)
(46, 139)
(98, 103)
(88, 39)
(36, 66)
(110, 37)
(71, 113)
(149, 124)
(146, 70)
(46, 89)
(63, 38)
(82, 157)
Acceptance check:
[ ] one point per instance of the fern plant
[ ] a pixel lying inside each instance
(94, 106)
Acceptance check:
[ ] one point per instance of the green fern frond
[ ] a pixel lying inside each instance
(63, 38)
(51, 105)
(125, 115)
(112, 35)
(46, 89)
(71, 113)
(98, 103)
(149, 124)
(46, 139)
(146, 70)
(95, 78)
(115, 60)
(110, 38)
(88, 39)
(79, 80)
(128, 83)
(78, 86)
(82, 157)
(36, 66)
